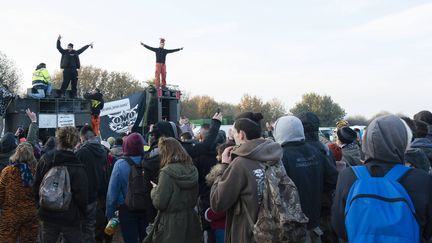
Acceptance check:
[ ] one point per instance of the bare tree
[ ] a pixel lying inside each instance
(9, 74)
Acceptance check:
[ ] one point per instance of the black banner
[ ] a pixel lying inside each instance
(117, 116)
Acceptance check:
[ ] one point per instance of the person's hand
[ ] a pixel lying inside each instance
(142, 43)
(59, 37)
(218, 116)
(31, 115)
(91, 45)
(18, 131)
(226, 155)
(181, 48)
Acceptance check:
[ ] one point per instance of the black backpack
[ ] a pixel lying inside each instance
(136, 193)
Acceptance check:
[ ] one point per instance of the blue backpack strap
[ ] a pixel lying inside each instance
(396, 172)
(361, 171)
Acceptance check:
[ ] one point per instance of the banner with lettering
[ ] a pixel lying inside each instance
(117, 116)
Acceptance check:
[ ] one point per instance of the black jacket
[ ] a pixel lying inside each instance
(78, 180)
(384, 145)
(94, 156)
(204, 163)
(313, 175)
(70, 59)
(97, 102)
(161, 53)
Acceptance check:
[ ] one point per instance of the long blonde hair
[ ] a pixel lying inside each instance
(23, 153)
(171, 151)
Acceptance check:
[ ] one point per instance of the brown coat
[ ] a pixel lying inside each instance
(19, 218)
(239, 182)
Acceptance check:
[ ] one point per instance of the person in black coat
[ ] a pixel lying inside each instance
(94, 156)
(309, 169)
(66, 222)
(70, 62)
(384, 145)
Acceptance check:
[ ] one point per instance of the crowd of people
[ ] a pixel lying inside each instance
(170, 185)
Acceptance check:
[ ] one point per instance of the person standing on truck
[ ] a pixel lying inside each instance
(161, 53)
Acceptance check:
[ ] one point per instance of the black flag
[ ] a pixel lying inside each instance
(117, 116)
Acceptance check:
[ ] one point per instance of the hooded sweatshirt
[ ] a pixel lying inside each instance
(384, 145)
(94, 156)
(242, 181)
(175, 197)
(307, 166)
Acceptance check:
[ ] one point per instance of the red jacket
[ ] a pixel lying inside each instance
(217, 220)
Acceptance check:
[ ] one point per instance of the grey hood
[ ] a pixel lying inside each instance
(288, 129)
(386, 139)
(259, 149)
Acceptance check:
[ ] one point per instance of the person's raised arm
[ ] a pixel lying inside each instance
(59, 48)
(149, 47)
(173, 50)
(79, 51)
(32, 135)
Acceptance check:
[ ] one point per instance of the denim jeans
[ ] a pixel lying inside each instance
(133, 225)
(220, 235)
(89, 223)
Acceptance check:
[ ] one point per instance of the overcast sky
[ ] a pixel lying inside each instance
(368, 55)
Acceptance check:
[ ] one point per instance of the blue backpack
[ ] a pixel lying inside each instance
(379, 209)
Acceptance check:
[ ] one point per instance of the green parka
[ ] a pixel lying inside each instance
(175, 197)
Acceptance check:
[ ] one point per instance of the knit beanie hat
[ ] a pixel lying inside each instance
(133, 145)
(311, 125)
(346, 135)
(424, 116)
(417, 158)
(8, 143)
(166, 129)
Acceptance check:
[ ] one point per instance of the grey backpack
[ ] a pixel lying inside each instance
(55, 190)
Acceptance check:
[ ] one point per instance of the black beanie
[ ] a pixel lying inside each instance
(346, 135)
(8, 143)
(417, 158)
(310, 121)
(165, 129)
(70, 44)
(424, 116)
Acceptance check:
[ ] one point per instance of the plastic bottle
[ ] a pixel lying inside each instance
(112, 225)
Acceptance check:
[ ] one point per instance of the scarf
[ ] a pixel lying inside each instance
(26, 175)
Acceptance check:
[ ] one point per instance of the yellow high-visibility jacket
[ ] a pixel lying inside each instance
(41, 76)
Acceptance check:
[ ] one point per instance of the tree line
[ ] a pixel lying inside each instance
(115, 85)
